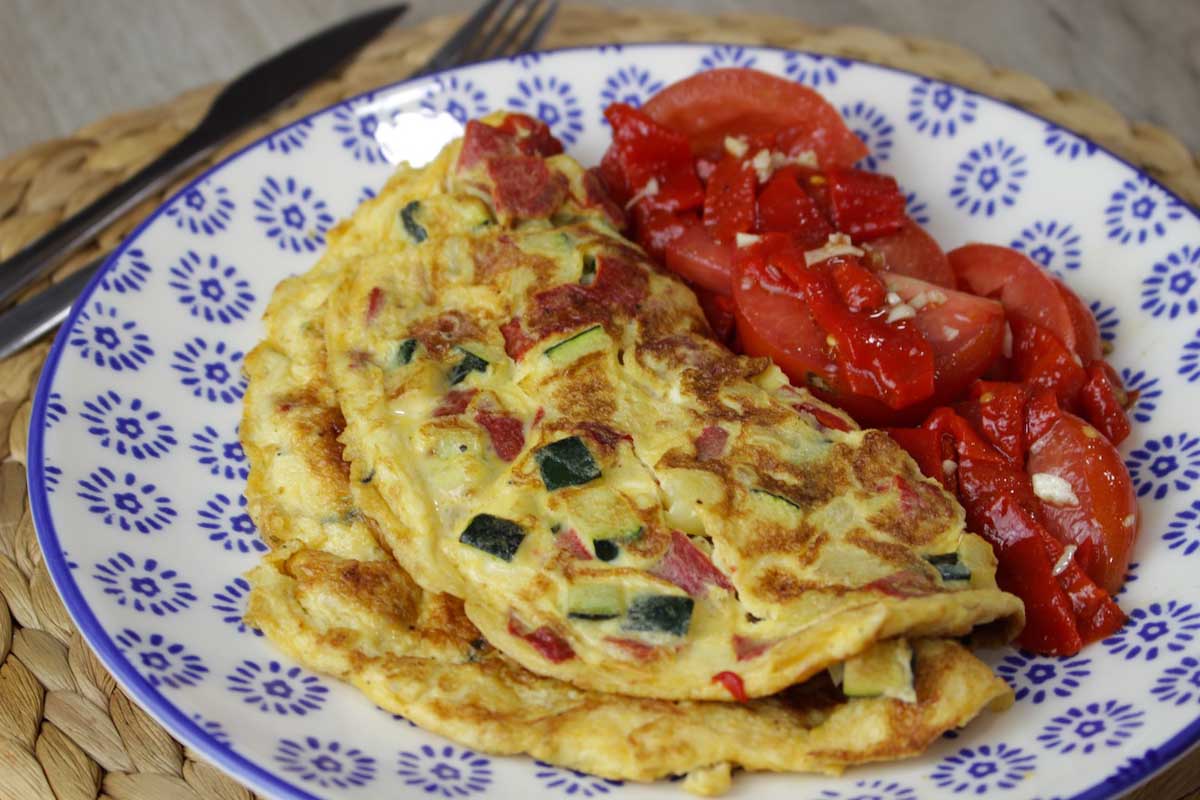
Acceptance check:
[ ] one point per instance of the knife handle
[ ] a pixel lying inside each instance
(35, 260)
(24, 323)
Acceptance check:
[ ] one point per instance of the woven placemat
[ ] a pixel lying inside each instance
(66, 731)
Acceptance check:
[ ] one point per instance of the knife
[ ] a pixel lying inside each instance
(257, 91)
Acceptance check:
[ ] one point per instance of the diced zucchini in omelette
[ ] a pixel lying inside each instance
(689, 523)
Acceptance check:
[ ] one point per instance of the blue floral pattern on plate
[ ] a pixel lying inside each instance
(230, 603)
(145, 586)
(211, 371)
(229, 524)
(292, 215)
(163, 662)
(977, 770)
(1154, 630)
(210, 289)
(445, 771)
(355, 123)
(939, 109)
(870, 125)
(123, 501)
(458, 97)
(325, 763)
(1170, 288)
(107, 341)
(277, 688)
(1036, 677)
(630, 85)
(127, 426)
(128, 273)
(1171, 462)
(221, 456)
(553, 102)
(1051, 243)
(989, 178)
(727, 55)
(267, 212)
(573, 783)
(815, 69)
(1139, 211)
(204, 209)
(1097, 725)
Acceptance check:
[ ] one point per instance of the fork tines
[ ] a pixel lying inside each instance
(498, 28)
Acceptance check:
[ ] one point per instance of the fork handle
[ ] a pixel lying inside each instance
(35, 260)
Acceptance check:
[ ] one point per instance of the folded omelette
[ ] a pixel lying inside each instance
(516, 493)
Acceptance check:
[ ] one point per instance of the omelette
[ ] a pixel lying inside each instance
(332, 595)
(619, 501)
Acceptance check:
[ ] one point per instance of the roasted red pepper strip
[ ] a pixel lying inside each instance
(997, 410)
(506, 432)
(729, 199)
(968, 443)
(645, 152)
(865, 205)
(1100, 402)
(1042, 361)
(733, 682)
(1025, 570)
(785, 207)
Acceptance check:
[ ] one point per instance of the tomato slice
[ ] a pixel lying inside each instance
(1025, 289)
(1087, 332)
(718, 310)
(965, 332)
(913, 252)
(711, 105)
(695, 255)
(1102, 520)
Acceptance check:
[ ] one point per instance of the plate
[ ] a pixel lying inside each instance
(136, 474)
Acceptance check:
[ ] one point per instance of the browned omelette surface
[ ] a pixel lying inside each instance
(620, 502)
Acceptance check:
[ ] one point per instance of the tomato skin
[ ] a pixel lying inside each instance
(864, 205)
(729, 201)
(711, 105)
(913, 252)
(965, 332)
(1103, 524)
(1088, 344)
(1101, 405)
(1026, 290)
(785, 207)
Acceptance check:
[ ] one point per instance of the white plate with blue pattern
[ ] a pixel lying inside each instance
(136, 474)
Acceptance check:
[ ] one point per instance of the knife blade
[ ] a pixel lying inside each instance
(255, 92)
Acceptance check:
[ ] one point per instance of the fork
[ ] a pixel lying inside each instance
(497, 28)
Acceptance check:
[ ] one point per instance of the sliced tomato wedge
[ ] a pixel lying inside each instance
(913, 252)
(711, 105)
(965, 332)
(695, 255)
(1026, 290)
(1101, 519)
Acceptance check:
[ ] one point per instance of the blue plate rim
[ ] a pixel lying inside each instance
(154, 701)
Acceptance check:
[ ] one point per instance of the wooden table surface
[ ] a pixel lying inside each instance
(68, 62)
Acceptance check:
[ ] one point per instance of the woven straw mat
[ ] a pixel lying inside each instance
(66, 731)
